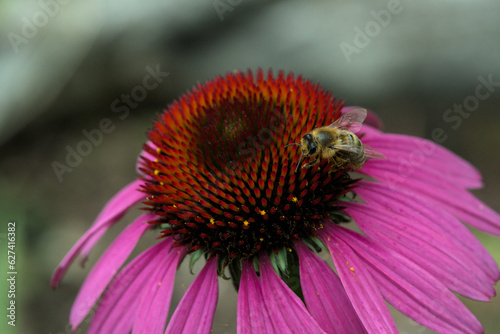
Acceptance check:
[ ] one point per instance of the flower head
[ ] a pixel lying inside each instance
(219, 175)
(219, 180)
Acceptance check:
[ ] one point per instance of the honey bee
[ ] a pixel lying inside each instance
(338, 143)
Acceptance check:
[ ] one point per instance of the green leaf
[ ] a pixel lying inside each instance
(282, 261)
(316, 243)
(195, 256)
(235, 271)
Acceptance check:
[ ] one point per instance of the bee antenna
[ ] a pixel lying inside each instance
(298, 164)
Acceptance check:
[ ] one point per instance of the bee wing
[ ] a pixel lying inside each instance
(369, 151)
(351, 120)
(373, 153)
(348, 148)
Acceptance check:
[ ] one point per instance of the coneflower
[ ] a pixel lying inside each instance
(219, 184)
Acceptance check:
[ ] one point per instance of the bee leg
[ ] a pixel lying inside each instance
(310, 164)
(338, 164)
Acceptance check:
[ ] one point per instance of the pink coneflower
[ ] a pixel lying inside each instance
(219, 184)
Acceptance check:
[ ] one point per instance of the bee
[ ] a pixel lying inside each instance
(338, 143)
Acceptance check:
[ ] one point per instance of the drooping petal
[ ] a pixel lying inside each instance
(412, 290)
(288, 313)
(152, 312)
(119, 305)
(360, 286)
(253, 316)
(111, 213)
(416, 158)
(72, 254)
(408, 204)
(117, 206)
(107, 267)
(325, 296)
(195, 312)
(429, 249)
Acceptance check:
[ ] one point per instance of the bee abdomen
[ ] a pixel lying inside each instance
(357, 159)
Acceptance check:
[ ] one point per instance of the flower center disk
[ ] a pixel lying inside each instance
(220, 177)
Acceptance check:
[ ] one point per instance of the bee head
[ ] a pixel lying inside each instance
(309, 148)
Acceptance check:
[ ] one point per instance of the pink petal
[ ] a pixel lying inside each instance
(195, 312)
(111, 213)
(118, 307)
(412, 290)
(431, 250)
(405, 203)
(411, 157)
(430, 170)
(387, 171)
(144, 156)
(106, 268)
(288, 313)
(71, 255)
(459, 203)
(152, 312)
(115, 209)
(325, 296)
(253, 317)
(359, 285)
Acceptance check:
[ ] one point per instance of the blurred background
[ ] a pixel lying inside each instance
(68, 66)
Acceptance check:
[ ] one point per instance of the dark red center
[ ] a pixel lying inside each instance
(223, 180)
